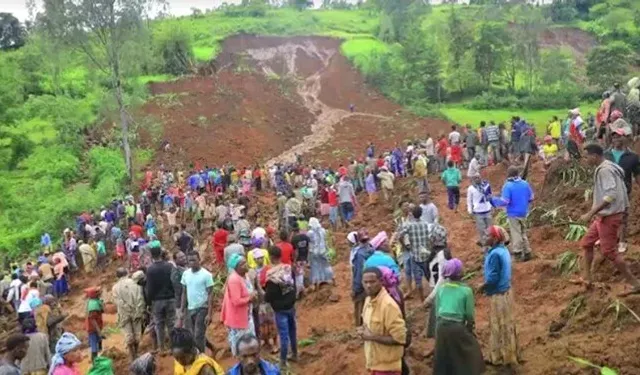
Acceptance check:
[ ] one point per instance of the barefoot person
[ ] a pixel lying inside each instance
(610, 201)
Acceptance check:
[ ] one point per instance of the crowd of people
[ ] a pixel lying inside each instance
(167, 281)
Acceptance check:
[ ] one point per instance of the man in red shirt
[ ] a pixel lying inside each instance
(219, 241)
(441, 150)
(286, 248)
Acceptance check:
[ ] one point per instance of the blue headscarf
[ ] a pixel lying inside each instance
(233, 261)
(67, 343)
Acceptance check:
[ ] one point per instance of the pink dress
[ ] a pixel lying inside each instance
(66, 370)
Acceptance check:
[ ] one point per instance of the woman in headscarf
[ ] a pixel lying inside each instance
(440, 254)
(503, 342)
(67, 355)
(150, 226)
(391, 283)
(321, 271)
(457, 351)
(237, 302)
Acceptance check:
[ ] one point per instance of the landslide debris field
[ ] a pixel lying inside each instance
(274, 97)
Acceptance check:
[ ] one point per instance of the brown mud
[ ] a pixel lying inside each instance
(255, 122)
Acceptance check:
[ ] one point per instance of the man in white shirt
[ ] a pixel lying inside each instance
(430, 150)
(454, 136)
(474, 167)
(479, 205)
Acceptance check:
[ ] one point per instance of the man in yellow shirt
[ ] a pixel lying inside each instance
(549, 150)
(553, 129)
(384, 330)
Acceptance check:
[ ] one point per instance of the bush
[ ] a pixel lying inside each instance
(490, 100)
(562, 97)
(253, 9)
(174, 45)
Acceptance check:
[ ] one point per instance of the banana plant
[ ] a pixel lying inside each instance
(603, 369)
(576, 232)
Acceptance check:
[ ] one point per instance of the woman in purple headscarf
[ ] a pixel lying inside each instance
(391, 283)
(457, 351)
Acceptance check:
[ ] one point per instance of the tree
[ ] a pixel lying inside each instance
(562, 10)
(102, 29)
(608, 63)
(489, 50)
(301, 4)
(174, 46)
(12, 33)
(527, 26)
(460, 41)
(399, 16)
(423, 71)
(556, 65)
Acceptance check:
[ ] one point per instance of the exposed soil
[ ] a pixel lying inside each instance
(314, 120)
(575, 40)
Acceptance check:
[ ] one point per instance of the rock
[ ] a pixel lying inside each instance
(334, 298)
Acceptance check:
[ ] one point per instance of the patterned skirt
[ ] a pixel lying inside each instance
(503, 341)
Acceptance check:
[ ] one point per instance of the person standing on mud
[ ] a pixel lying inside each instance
(196, 302)
(503, 342)
(610, 201)
(630, 164)
(384, 330)
(129, 300)
(162, 296)
(359, 254)
(516, 198)
(479, 205)
(416, 233)
(347, 199)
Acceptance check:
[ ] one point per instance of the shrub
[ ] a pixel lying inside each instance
(255, 8)
(174, 45)
(490, 100)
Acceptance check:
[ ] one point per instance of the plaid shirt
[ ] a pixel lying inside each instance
(417, 232)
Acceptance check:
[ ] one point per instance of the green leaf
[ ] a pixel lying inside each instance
(608, 371)
(583, 362)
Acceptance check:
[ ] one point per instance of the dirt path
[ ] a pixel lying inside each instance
(309, 89)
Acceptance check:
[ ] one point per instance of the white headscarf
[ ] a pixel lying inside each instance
(314, 224)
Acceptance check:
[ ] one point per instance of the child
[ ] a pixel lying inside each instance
(266, 315)
(94, 324)
(452, 178)
(549, 150)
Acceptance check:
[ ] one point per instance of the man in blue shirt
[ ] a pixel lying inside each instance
(516, 197)
(248, 349)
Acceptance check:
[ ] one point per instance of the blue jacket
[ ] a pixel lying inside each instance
(497, 270)
(362, 253)
(516, 196)
(266, 367)
(382, 259)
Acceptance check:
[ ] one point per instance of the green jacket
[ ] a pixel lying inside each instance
(451, 177)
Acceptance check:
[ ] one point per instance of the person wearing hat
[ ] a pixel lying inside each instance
(457, 351)
(629, 161)
(359, 255)
(503, 342)
(129, 300)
